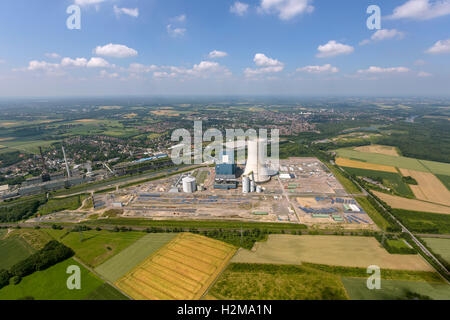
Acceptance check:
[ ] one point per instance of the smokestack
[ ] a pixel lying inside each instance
(67, 164)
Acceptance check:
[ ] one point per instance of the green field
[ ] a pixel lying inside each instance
(397, 244)
(13, 250)
(125, 261)
(348, 185)
(445, 179)
(391, 180)
(373, 213)
(396, 290)
(56, 205)
(275, 282)
(50, 284)
(440, 247)
(106, 292)
(399, 162)
(424, 222)
(95, 247)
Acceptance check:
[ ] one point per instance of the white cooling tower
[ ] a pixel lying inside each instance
(256, 153)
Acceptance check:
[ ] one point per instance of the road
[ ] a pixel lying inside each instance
(405, 230)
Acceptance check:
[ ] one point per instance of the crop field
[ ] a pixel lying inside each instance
(445, 179)
(411, 204)
(439, 246)
(396, 290)
(181, 270)
(106, 292)
(424, 222)
(399, 162)
(343, 162)
(277, 282)
(13, 249)
(390, 179)
(95, 247)
(37, 239)
(330, 250)
(387, 150)
(429, 187)
(119, 265)
(50, 284)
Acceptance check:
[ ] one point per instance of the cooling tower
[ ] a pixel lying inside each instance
(255, 161)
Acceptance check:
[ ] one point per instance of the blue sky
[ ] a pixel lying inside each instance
(251, 47)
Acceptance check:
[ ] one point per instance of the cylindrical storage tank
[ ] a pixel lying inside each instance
(245, 185)
(259, 189)
(252, 186)
(189, 185)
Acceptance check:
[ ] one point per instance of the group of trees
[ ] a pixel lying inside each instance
(52, 253)
(20, 211)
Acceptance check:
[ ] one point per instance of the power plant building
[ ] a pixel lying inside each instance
(226, 172)
(255, 161)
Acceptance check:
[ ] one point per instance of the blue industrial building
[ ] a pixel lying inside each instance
(226, 172)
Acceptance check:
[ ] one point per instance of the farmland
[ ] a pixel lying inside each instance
(331, 250)
(445, 179)
(424, 222)
(50, 284)
(12, 250)
(440, 247)
(343, 162)
(242, 281)
(396, 290)
(411, 204)
(387, 150)
(181, 270)
(95, 247)
(125, 261)
(429, 187)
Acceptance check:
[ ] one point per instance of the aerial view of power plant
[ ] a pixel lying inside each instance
(225, 159)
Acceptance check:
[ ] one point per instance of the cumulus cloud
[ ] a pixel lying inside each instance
(106, 74)
(333, 48)
(179, 19)
(140, 68)
(88, 2)
(442, 46)
(384, 34)
(239, 8)
(424, 74)
(41, 65)
(78, 62)
(204, 69)
(115, 51)
(327, 68)
(265, 65)
(379, 70)
(286, 9)
(97, 62)
(175, 32)
(52, 55)
(217, 54)
(421, 10)
(128, 11)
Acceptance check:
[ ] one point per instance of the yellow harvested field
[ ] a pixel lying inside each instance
(331, 250)
(85, 120)
(411, 204)
(169, 113)
(181, 270)
(430, 188)
(6, 139)
(364, 165)
(110, 108)
(387, 150)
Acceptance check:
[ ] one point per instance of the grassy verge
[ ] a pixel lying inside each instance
(373, 213)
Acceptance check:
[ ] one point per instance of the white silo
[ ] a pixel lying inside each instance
(252, 186)
(245, 184)
(189, 184)
(256, 153)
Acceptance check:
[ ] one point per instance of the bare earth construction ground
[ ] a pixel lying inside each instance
(331, 250)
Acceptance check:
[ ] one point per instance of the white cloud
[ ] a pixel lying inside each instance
(52, 55)
(115, 51)
(97, 62)
(442, 46)
(217, 54)
(175, 32)
(179, 19)
(239, 8)
(265, 64)
(204, 69)
(140, 68)
(424, 74)
(379, 70)
(333, 48)
(105, 74)
(384, 34)
(327, 68)
(421, 9)
(78, 62)
(41, 65)
(128, 11)
(286, 9)
(88, 2)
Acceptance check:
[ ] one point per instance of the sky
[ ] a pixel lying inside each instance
(223, 47)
